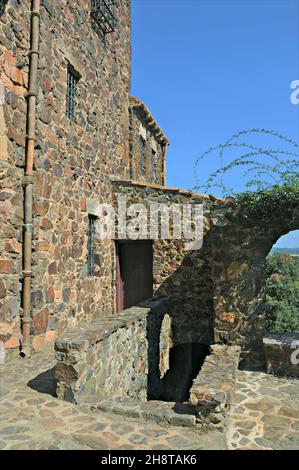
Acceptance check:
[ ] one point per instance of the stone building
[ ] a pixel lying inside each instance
(82, 139)
(148, 145)
(88, 131)
(71, 139)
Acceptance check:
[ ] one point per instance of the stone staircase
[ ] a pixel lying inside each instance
(211, 396)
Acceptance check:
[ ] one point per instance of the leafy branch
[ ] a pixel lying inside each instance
(279, 166)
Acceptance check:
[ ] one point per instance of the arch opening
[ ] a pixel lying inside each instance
(281, 290)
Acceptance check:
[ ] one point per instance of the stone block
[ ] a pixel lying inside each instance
(282, 353)
(213, 389)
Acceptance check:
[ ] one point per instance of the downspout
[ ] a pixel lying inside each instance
(28, 178)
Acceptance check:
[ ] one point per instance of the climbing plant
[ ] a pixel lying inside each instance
(262, 202)
(261, 168)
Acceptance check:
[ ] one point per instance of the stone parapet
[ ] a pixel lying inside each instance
(281, 356)
(108, 358)
(213, 389)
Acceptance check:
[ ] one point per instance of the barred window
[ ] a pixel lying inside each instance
(154, 167)
(142, 157)
(72, 82)
(131, 161)
(90, 245)
(103, 16)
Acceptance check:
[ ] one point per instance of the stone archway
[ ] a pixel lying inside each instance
(242, 239)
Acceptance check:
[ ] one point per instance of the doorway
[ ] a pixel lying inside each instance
(134, 272)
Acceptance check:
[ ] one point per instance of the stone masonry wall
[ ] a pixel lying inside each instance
(213, 390)
(183, 276)
(154, 150)
(116, 357)
(14, 46)
(282, 351)
(215, 293)
(108, 366)
(241, 240)
(74, 160)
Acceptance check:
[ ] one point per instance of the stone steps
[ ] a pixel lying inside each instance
(211, 396)
(170, 413)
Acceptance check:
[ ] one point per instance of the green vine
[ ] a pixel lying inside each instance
(268, 200)
(278, 165)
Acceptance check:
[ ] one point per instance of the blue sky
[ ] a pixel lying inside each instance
(210, 68)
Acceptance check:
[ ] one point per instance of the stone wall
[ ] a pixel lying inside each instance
(183, 276)
(111, 358)
(14, 46)
(212, 392)
(215, 293)
(282, 353)
(73, 163)
(242, 237)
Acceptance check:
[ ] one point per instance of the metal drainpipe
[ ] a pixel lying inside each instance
(28, 178)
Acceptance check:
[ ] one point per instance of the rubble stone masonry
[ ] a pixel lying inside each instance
(185, 277)
(148, 145)
(214, 293)
(74, 160)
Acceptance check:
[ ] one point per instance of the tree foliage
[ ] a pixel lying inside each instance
(281, 293)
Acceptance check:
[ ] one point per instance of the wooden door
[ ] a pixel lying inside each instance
(134, 272)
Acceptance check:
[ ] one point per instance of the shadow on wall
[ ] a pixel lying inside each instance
(215, 295)
(171, 368)
(190, 297)
(185, 362)
(189, 304)
(45, 383)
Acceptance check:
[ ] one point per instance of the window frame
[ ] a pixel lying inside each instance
(91, 245)
(142, 148)
(103, 16)
(154, 166)
(72, 92)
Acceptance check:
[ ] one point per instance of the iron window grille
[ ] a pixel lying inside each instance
(103, 16)
(90, 245)
(154, 167)
(72, 91)
(2, 6)
(131, 161)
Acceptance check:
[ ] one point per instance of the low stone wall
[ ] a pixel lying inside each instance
(213, 390)
(281, 356)
(109, 359)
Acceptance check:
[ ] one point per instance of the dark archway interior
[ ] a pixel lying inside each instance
(185, 363)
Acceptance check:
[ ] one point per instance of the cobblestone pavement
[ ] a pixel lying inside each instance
(34, 420)
(265, 414)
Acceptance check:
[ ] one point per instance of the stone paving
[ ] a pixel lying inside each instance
(34, 420)
(265, 414)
